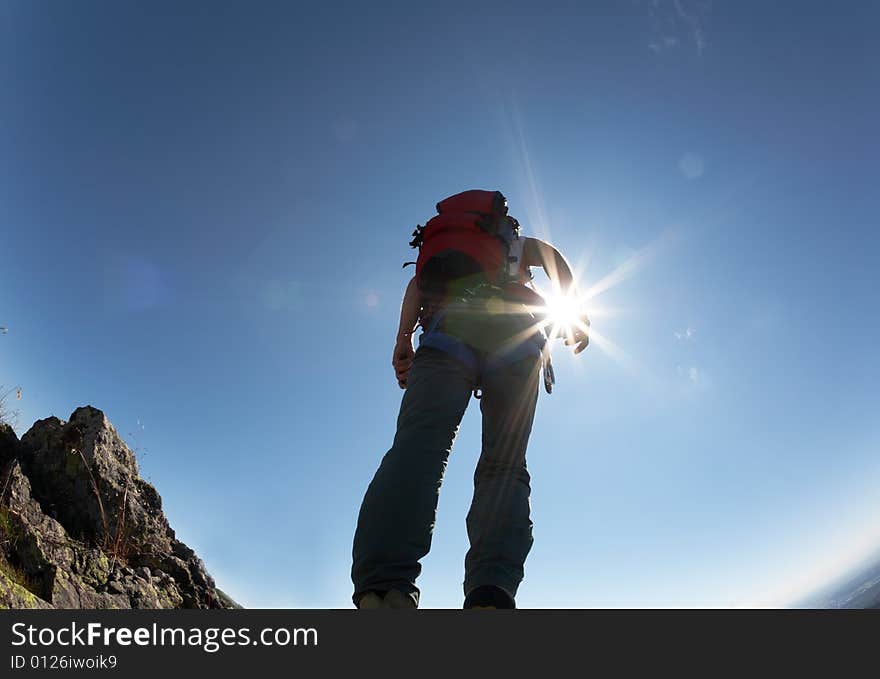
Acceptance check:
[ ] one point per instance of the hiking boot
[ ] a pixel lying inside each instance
(397, 599)
(373, 600)
(370, 601)
(488, 597)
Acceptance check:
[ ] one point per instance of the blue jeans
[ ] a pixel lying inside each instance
(397, 516)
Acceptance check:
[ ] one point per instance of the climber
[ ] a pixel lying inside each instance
(483, 332)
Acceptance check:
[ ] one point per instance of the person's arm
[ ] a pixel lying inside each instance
(402, 357)
(538, 253)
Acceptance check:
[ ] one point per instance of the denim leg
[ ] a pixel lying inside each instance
(396, 519)
(499, 524)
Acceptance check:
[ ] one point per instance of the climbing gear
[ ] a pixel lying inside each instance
(477, 305)
(485, 329)
(547, 369)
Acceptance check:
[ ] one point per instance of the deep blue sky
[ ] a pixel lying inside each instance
(204, 209)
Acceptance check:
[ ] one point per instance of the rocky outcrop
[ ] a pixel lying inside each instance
(79, 528)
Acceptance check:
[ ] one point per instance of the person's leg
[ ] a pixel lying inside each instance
(396, 519)
(499, 524)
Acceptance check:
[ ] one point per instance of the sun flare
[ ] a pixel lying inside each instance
(564, 314)
(563, 310)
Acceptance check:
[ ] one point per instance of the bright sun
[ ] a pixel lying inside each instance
(562, 310)
(564, 314)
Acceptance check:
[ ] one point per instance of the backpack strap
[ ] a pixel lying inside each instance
(514, 258)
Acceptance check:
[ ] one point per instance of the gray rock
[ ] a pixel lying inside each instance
(9, 444)
(79, 528)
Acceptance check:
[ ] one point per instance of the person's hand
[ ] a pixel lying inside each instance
(579, 335)
(402, 358)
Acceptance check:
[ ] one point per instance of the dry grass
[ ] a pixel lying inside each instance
(116, 544)
(7, 415)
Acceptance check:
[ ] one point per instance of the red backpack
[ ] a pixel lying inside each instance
(466, 243)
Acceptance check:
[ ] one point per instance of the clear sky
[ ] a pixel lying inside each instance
(204, 209)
